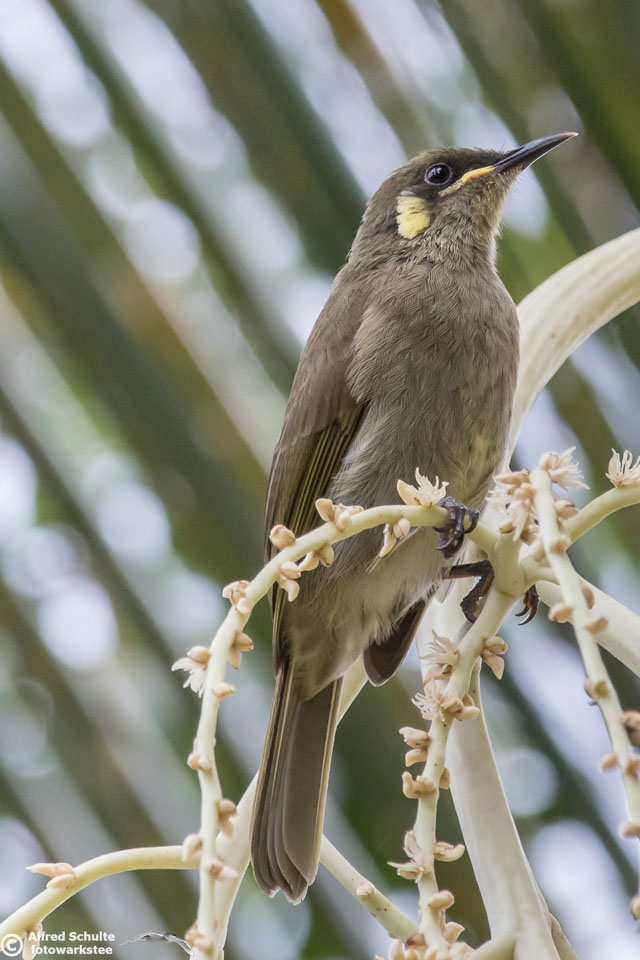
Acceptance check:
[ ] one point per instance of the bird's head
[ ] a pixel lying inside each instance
(446, 201)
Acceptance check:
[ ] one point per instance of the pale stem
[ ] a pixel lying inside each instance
(602, 507)
(601, 689)
(396, 923)
(470, 647)
(509, 891)
(235, 850)
(562, 312)
(206, 942)
(30, 914)
(621, 636)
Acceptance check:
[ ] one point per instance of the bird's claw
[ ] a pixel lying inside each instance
(453, 531)
(530, 605)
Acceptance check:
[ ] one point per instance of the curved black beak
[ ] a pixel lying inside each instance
(529, 152)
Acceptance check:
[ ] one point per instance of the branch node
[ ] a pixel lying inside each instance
(198, 761)
(226, 810)
(631, 723)
(420, 739)
(414, 756)
(191, 846)
(420, 787)
(365, 890)
(281, 536)
(596, 688)
(609, 762)
(561, 612)
(442, 900)
(629, 829)
(220, 871)
(447, 852)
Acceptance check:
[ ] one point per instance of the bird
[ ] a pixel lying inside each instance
(411, 364)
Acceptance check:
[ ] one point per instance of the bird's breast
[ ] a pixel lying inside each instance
(436, 360)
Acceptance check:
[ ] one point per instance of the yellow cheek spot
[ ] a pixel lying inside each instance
(412, 216)
(472, 174)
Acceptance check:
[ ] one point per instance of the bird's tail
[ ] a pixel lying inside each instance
(292, 787)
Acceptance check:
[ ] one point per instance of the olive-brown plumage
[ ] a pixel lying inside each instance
(411, 364)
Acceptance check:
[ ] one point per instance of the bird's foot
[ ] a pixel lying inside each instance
(475, 598)
(530, 605)
(453, 531)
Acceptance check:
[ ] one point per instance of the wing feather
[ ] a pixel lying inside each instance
(321, 420)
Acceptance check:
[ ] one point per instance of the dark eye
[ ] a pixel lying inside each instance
(439, 174)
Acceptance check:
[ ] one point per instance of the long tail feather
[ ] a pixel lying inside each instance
(292, 787)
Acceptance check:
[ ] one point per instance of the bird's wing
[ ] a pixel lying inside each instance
(321, 420)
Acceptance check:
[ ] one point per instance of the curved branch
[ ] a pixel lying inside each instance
(392, 919)
(601, 508)
(562, 312)
(30, 914)
(621, 636)
(586, 626)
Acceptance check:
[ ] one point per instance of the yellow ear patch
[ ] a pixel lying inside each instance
(412, 216)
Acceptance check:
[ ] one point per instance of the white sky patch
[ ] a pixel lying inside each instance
(134, 522)
(18, 486)
(78, 625)
(584, 888)
(303, 301)
(162, 241)
(614, 378)
(260, 231)
(189, 606)
(335, 89)
(529, 780)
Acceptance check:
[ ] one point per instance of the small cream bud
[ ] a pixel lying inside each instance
(442, 900)
(631, 723)
(326, 509)
(413, 737)
(447, 851)
(220, 871)
(420, 787)
(199, 654)
(629, 829)
(61, 881)
(559, 544)
(538, 552)
(561, 612)
(608, 762)
(365, 890)
(191, 846)
(282, 537)
(588, 594)
(599, 688)
(452, 931)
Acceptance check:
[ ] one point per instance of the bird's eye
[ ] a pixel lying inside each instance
(439, 174)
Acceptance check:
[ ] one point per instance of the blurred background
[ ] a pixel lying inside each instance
(179, 181)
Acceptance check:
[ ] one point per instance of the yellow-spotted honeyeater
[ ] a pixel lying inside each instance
(412, 363)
